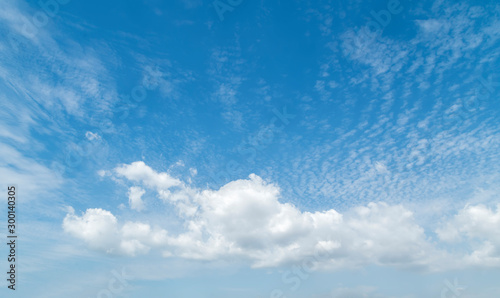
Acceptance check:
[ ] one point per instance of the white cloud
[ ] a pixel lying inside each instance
(139, 172)
(384, 54)
(245, 219)
(33, 178)
(101, 231)
(476, 223)
(135, 198)
(97, 227)
(103, 173)
(227, 73)
(52, 78)
(92, 136)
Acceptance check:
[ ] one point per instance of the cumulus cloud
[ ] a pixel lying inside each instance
(135, 198)
(245, 219)
(101, 231)
(97, 227)
(472, 224)
(140, 172)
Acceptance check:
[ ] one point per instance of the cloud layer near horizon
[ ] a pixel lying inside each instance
(245, 219)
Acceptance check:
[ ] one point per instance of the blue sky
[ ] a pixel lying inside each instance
(196, 148)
